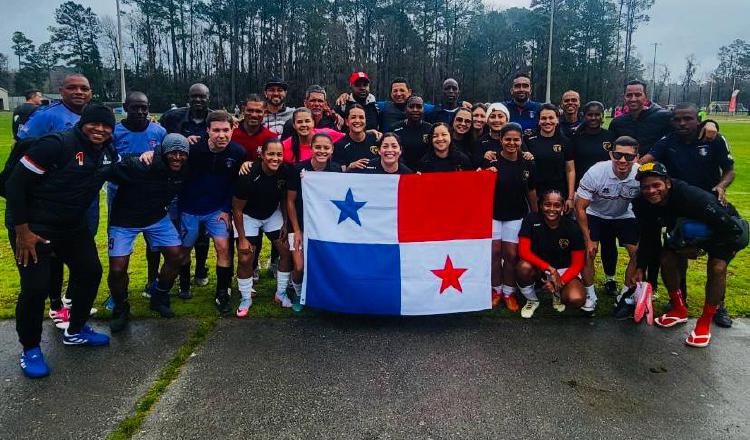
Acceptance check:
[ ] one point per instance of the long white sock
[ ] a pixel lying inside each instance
(498, 289)
(507, 290)
(282, 281)
(245, 285)
(529, 293)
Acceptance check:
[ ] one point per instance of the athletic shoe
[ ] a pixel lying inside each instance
(557, 304)
(511, 304)
(672, 318)
(610, 287)
(120, 317)
(161, 308)
(644, 296)
(283, 299)
(590, 306)
(244, 307)
(146, 293)
(33, 363)
(185, 294)
(67, 303)
(699, 340)
(623, 311)
(201, 282)
(87, 336)
(496, 298)
(222, 304)
(60, 317)
(529, 308)
(721, 318)
(109, 303)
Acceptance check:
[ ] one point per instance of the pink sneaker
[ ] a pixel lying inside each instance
(60, 317)
(644, 303)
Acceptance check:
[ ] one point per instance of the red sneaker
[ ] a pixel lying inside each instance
(511, 304)
(496, 297)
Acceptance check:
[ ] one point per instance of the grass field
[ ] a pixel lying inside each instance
(738, 292)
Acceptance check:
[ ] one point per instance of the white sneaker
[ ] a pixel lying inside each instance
(528, 310)
(282, 299)
(590, 305)
(557, 304)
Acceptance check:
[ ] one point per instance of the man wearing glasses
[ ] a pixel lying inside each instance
(603, 207)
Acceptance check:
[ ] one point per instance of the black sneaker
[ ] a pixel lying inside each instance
(222, 304)
(610, 287)
(721, 318)
(159, 303)
(623, 310)
(120, 317)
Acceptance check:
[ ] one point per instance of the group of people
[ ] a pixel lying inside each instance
(565, 185)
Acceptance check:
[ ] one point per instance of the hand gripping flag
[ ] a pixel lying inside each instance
(398, 245)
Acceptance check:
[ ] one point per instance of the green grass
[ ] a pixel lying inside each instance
(201, 306)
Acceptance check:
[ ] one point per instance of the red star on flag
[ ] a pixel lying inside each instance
(449, 275)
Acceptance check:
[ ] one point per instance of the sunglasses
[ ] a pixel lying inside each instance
(462, 121)
(616, 155)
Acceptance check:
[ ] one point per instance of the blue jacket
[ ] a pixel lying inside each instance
(54, 117)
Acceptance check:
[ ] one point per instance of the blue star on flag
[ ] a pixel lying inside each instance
(349, 207)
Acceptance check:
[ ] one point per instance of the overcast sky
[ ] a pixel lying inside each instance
(681, 27)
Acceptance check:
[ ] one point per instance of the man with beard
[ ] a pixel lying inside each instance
(137, 134)
(315, 101)
(62, 115)
(522, 109)
(706, 164)
(191, 121)
(571, 117)
(414, 132)
(447, 110)
(359, 84)
(277, 113)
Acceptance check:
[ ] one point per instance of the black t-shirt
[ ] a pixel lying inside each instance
(552, 245)
(514, 180)
(347, 150)
(376, 167)
(588, 149)
(414, 141)
(699, 163)
(262, 191)
(294, 183)
(21, 114)
(455, 161)
(550, 155)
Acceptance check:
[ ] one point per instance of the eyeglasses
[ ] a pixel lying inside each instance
(616, 155)
(462, 121)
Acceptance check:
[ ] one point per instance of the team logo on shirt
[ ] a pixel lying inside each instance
(703, 150)
(564, 243)
(528, 132)
(374, 149)
(526, 174)
(425, 138)
(557, 148)
(229, 163)
(607, 146)
(531, 114)
(152, 143)
(280, 184)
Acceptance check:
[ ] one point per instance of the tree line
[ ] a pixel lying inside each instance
(234, 46)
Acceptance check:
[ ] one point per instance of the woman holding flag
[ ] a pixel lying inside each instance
(322, 152)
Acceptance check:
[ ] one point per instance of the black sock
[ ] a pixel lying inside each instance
(152, 263)
(223, 279)
(163, 286)
(185, 278)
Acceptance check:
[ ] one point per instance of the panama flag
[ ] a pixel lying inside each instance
(398, 245)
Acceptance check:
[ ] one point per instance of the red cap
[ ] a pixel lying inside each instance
(356, 76)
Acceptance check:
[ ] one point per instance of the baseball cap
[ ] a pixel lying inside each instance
(276, 82)
(651, 169)
(356, 76)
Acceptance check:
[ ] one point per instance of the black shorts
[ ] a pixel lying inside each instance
(624, 229)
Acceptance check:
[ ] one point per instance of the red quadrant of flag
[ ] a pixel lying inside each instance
(445, 206)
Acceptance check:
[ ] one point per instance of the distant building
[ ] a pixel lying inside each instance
(4, 100)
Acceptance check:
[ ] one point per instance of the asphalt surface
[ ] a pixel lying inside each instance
(456, 378)
(91, 389)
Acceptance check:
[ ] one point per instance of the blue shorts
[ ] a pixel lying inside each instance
(190, 225)
(160, 234)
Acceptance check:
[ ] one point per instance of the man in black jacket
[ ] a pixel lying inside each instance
(694, 219)
(141, 205)
(48, 194)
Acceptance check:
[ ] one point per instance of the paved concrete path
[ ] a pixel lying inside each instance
(457, 378)
(91, 389)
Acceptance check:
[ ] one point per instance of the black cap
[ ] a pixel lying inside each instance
(97, 113)
(651, 169)
(276, 82)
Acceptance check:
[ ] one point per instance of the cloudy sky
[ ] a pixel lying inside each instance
(681, 27)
